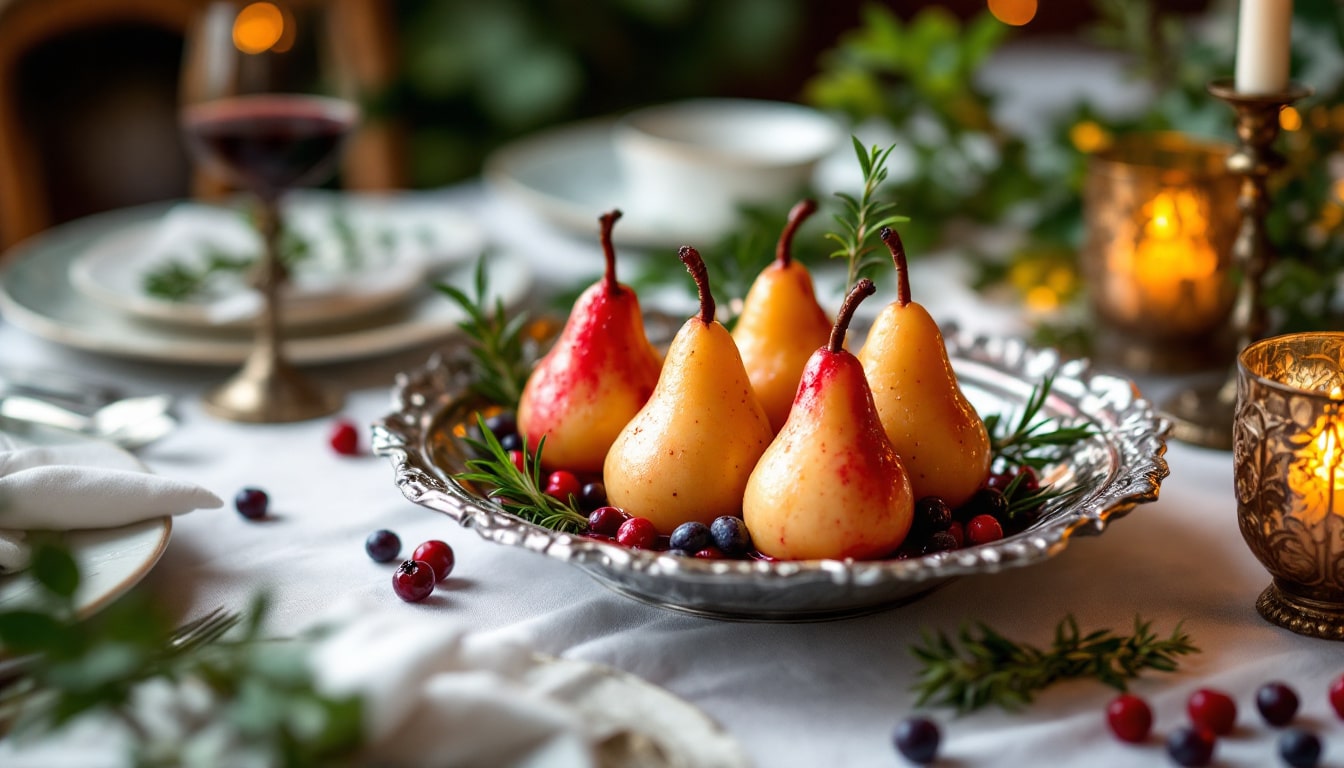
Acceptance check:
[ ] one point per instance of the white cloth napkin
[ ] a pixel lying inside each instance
(80, 485)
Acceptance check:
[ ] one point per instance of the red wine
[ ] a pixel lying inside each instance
(272, 142)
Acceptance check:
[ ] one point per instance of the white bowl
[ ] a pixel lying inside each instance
(695, 162)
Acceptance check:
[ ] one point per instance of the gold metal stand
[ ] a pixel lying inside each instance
(268, 389)
(1202, 414)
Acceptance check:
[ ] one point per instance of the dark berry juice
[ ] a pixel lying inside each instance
(271, 142)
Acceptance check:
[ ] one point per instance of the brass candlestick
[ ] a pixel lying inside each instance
(1203, 414)
(268, 389)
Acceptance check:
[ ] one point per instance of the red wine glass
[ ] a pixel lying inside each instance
(263, 105)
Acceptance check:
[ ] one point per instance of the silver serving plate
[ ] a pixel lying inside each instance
(1121, 466)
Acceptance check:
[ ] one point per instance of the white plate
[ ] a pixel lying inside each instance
(397, 241)
(36, 295)
(570, 175)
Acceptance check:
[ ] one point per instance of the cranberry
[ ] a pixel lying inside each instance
(1214, 711)
(344, 437)
(917, 739)
(709, 553)
(606, 520)
(931, 515)
(383, 546)
(958, 532)
(690, 537)
(730, 535)
(1277, 703)
(1337, 696)
(1130, 718)
(592, 496)
(1000, 481)
(1029, 483)
(637, 533)
(252, 503)
(982, 529)
(1299, 748)
(438, 555)
(1190, 746)
(413, 581)
(517, 458)
(562, 485)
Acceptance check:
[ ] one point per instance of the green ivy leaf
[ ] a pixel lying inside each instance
(54, 568)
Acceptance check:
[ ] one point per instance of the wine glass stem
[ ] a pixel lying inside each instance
(270, 277)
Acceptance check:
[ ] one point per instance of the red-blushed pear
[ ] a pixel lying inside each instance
(781, 324)
(687, 454)
(938, 434)
(595, 379)
(830, 485)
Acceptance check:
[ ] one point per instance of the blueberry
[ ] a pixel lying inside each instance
(383, 546)
(1300, 749)
(503, 423)
(1277, 703)
(510, 441)
(690, 537)
(731, 535)
(592, 496)
(1190, 746)
(931, 515)
(917, 739)
(252, 503)
(940, 541)
(986, 501)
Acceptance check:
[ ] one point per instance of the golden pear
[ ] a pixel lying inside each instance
(781, 324)
(830, 485)
(935, 430)
(688, 453)
(598, 375)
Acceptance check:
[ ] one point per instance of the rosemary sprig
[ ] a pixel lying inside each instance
(1030, 440)
(982, 667)
(519, 490)
(865, 216)
(496, 342)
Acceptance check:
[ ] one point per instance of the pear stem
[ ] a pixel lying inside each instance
(798, 214)
(897, 248)
(696, 266)
(608, 221)
(861, 290)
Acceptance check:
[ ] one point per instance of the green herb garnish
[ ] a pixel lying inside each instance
(182, 280)
(1030, 441)
(496, 341)
(519, 491)
(982, 667)
(865, 216)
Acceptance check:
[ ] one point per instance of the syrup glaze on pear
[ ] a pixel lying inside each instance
(597, 376)
(687, 454)
(781, 324)
(830, 485)
(938, 434)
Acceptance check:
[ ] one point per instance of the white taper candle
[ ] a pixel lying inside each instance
(1264, 41)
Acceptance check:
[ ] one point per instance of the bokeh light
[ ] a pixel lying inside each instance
(1014, 13)
(1290, 119)
(1088, 137)
(258, 27)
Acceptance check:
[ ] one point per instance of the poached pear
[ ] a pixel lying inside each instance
(830, 485)
(935, 429)
(781, 324)
(687, 454)
(598, 375)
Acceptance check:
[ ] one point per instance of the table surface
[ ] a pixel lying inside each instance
(808, 694)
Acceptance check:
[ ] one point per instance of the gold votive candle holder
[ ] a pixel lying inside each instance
(1288, 461)
(1161, 216)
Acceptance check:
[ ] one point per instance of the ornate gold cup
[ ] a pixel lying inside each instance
(1161, 216)
(1288, 457)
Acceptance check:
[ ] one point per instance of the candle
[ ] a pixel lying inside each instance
(1170, 268)
(1263, 45)
(1317, 476)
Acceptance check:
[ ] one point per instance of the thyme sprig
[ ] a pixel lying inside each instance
(1033, 440)
(865, 216)
(981, 667)
(496, 341)
(519, 490)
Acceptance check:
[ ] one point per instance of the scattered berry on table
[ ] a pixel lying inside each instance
(1277, 703)
(1213, 711)
(438, 555)
(592, 496)
(1190, 746)
(1299, 748)
(605, 521)
(1337, 696)
(344, 437)
(637, 533)
(690, 537)
(562, 484)
(982, 529)
(931, 515)
(1130, 718)
(383, 546)
(502, 424)
(917, 740)
(252, 503)
(413, 581)
(730, 535)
